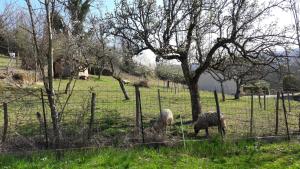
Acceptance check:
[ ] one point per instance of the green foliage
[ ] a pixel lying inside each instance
(24, 47)
(110, 118)
(291, 83)
(78, 11)
(170, 72)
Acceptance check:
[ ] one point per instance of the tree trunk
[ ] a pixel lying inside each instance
(122, 86)
(193, 89)
(195, 100)
(50, 88)
(67, 89)
(238, 91)
(223, 92)
(54, 118)
(100, 72)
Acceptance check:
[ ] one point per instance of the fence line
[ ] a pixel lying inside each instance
(108, 118)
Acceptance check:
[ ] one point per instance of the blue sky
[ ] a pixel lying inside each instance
(108, 5)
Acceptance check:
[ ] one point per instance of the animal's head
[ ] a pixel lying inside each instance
(223, 122)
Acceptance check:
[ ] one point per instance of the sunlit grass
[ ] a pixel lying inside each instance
(212, 154)
(110, 100)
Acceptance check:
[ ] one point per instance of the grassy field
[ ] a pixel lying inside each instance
(4, 60)
(204, 154)
(116, 116)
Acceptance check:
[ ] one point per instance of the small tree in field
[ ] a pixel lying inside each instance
(45, 57)
(116, 74)
(47, 79)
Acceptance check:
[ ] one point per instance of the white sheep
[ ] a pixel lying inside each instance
(165, 119)
(206, 120)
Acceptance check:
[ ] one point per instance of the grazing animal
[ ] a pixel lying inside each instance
(165, 119)
(206, 120)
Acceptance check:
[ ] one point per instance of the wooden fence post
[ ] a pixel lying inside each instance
(141, 112)
(5, 126)
(159, 101)
(251, 115)
(218, 112)
(139, 116)
(137, 109)
(299, 122)
(93, 107)
(182, 131)
(265, 102)
(276, 113)
(45, 119)
(285, 116)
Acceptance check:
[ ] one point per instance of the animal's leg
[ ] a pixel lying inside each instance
(206, 131)
(224, 132)
(196, 131)
(165, 127)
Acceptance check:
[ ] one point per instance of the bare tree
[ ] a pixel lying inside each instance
(220, 77)
(243, 73)
(116, 75)
(192, 31)
(100, 30)
(49, 6)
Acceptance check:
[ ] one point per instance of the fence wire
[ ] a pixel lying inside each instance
(114, 119)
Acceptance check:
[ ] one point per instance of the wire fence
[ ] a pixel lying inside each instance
(114, 117)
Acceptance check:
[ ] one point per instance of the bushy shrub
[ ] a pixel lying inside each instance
(291, 83)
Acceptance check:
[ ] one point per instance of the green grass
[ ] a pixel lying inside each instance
(205, 154)
(116, 117)
(4, 60)
(110, 101)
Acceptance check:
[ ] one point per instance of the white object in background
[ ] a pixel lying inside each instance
(12, 56)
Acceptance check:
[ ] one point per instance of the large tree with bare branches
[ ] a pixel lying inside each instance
(48, 79)
(193, 31)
